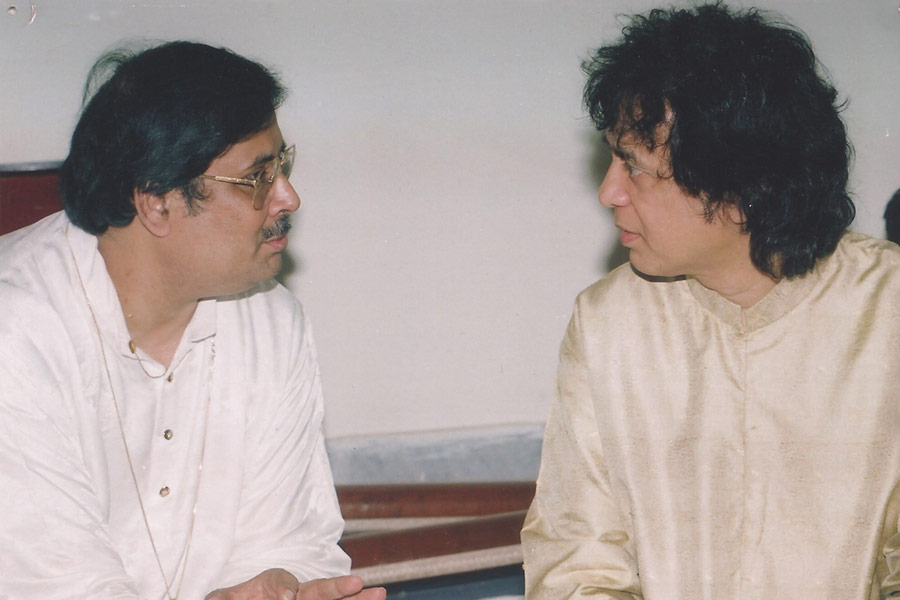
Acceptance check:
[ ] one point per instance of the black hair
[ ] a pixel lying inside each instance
(748, 119)
(892, 218)
(156, 123)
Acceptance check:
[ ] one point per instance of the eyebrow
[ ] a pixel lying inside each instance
(261, 159)
(618, 151)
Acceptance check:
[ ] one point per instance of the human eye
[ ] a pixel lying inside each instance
(263, 175)
(257, 175)
(633, 170)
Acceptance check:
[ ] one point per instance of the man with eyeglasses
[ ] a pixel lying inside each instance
(160, 401)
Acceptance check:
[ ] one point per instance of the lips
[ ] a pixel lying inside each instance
(626, 236)
(278, 243)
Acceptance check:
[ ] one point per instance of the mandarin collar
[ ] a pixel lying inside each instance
(779, 301)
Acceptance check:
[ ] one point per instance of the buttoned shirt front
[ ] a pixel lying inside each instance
(221, 450)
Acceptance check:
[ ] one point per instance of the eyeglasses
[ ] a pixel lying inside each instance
(261, 181)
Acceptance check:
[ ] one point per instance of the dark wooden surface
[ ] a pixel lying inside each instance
(27, 197)
(433, 500)
(477, 533)
(492, 516)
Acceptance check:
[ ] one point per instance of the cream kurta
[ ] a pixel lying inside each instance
(698, 451)
(70, 521)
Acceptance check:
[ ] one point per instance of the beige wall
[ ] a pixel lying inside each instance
(447, 171)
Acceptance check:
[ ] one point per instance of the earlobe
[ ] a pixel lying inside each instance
(153, 212)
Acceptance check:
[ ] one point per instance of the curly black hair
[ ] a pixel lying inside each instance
(156, 123)
(747, 116)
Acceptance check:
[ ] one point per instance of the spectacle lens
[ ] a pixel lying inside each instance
(284, 162)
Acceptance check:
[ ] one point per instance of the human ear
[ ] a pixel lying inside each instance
(732, 212)
(153, 212)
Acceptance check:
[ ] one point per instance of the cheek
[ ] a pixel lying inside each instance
(247, 232)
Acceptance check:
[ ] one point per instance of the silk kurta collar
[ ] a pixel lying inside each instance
(780, 300)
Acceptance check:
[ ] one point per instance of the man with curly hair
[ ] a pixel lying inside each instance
(727, 416)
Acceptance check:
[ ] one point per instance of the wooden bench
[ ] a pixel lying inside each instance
(415, 531)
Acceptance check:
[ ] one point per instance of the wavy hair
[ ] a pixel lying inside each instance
(156, 121)
(749, 119)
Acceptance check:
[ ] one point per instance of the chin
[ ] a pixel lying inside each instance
(265, 270)
(655, 272)
(243, 287)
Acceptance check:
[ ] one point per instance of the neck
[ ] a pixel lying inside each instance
(744, 286)
(156, 314)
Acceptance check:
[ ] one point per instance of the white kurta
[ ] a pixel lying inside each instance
(70, 520)
(699, 451)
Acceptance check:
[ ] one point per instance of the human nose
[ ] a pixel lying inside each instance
(612, 193)
(283, 196)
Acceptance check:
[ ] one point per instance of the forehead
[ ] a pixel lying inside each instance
(256, 149)
(617, 139)
(629, 146)
(633, 128)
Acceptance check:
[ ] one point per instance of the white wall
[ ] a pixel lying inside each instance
(447, 171)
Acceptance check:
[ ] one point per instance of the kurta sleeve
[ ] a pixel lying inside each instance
(289, 515)
(574, 540)
(53, 530)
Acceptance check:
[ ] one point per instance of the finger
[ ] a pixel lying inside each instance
(372, 594)
(350, 585)
(330, 589)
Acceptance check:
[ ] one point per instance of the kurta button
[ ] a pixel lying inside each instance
(167, 434)
(164, 491)
(170, 377)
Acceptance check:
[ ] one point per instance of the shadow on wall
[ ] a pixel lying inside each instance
(598, 162)
(290, 264)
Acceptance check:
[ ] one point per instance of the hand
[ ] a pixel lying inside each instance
(272, 584)
(278, 584)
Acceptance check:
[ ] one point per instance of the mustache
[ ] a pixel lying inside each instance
(279, 228)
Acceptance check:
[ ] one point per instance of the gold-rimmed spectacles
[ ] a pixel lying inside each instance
(261, 181)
